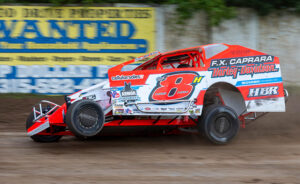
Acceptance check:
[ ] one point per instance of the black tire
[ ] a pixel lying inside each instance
(85, 118)
(42, 138)
(219, 124)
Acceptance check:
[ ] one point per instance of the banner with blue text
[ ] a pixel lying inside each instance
(59, 50)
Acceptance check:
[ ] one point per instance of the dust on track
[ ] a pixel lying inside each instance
(266, 151)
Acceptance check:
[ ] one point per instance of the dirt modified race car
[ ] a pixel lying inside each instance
(213, 89)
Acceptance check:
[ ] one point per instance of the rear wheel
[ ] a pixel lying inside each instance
(219, 124)
(85, 118)
(42, 138)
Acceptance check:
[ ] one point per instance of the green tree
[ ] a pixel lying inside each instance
(216, 10)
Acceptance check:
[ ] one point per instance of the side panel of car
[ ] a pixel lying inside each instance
(255, 74)
(181, 91)
(167, 92)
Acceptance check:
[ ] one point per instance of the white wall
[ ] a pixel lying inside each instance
(276, 34)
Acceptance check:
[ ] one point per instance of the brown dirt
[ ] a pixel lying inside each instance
(266, 151)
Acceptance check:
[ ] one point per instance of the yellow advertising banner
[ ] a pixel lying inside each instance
(60, 50)
(42, 35)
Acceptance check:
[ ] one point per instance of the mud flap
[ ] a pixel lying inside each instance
(234, 100)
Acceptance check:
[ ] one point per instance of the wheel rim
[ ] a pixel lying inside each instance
(222, 126)
(88, 116)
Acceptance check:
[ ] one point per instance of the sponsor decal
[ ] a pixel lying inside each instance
(234, 71)
(128, 111)
(128, 94)
(175, 86)
(147, 108)
(249, 65)
(259, 81)
(129, 99)
(90, 97)
(242, 60)
(118, 106)
(127, 77)
(115, 94)
(128, 91)
(119, 111)
(197, 111)
(263, 91)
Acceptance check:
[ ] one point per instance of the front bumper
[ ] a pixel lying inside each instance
(45, 115)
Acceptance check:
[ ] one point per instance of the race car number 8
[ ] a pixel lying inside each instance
(175, 86)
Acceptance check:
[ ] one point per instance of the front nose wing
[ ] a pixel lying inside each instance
(40, 115)
(37, 128)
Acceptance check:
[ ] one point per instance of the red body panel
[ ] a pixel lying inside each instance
(186, 83)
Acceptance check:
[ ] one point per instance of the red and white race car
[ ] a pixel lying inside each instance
(212, 88)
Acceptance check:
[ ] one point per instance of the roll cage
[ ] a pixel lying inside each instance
(192, 57)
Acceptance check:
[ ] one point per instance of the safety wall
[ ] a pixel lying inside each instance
(59, 50)
(56, 50)
(277, 34)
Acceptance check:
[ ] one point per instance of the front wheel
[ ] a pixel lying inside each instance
(85, 118)
(219, 124)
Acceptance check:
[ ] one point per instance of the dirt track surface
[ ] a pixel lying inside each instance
(267, 151)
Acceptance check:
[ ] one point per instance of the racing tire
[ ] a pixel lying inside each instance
(85, 118)
(42, 138)
(219, 124)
